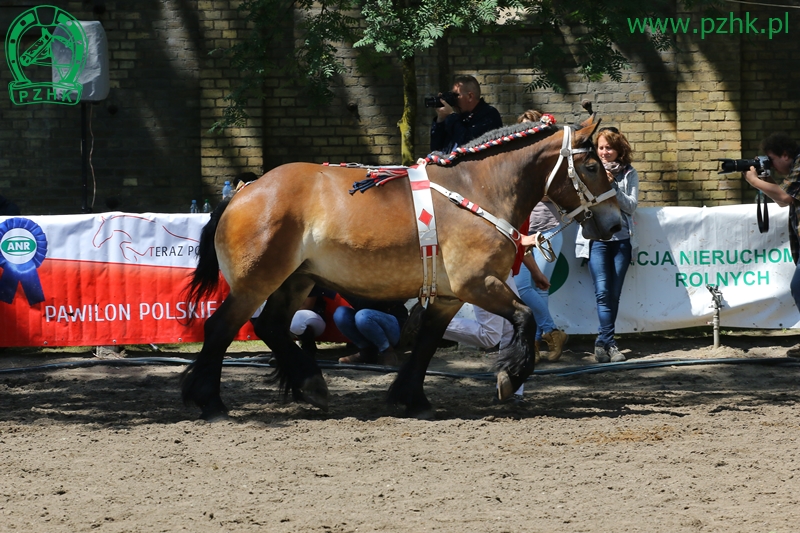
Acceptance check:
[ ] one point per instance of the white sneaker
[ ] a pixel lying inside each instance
(615, 355)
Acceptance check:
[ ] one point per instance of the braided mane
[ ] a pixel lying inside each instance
(497, 137)
(379, 176)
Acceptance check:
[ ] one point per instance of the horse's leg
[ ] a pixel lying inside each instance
(200, 382)
(296, 368)
(407, 388)
(516, 361)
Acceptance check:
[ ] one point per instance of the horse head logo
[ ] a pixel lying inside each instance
(61, 32)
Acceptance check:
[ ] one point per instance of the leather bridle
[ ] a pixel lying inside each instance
(588, 200)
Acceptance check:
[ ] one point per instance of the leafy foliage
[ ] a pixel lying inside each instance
(404, 27)
(297, 38)
(592, 29)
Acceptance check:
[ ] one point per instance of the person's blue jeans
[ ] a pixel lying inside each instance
(368, 328)
(535, 298)
(795, 287)
(608, 263)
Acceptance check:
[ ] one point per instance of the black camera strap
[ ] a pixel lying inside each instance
(763, 219)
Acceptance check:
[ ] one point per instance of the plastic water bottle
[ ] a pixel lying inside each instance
(227, 190)
(207, 206)
(194, 208)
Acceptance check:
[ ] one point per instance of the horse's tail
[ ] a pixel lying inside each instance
(206, 276)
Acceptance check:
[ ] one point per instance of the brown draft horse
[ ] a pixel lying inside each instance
(297, 226)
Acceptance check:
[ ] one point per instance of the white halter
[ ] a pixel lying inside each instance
(584, 194)
(588, 200)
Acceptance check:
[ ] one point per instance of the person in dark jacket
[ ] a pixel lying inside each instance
(470, 118)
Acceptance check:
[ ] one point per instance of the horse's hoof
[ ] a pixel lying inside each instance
(214, 411)
(419, 407)
(505, 389)
(315, 391)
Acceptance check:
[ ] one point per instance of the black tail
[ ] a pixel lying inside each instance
(206, 276)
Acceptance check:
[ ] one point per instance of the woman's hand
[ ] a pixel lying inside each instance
(527, 241)
(539, 279)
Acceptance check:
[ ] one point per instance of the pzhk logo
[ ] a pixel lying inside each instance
(45, 36)
(23, 247)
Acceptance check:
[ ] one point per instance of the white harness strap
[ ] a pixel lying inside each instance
(426, 228)
(503, 226)
(426, 224)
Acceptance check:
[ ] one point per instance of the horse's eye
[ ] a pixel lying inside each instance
(591, 167)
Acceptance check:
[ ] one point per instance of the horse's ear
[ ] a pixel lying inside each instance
(590, 121)
(587, 129)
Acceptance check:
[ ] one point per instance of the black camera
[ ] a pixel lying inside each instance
(761, 164)
(450, 97)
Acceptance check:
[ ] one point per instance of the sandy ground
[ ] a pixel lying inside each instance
(707, 448)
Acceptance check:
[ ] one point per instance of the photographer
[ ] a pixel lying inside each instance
(784, 156)
(466, 117)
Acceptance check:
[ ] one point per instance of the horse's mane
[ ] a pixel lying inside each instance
(501, 132)
(492, 139)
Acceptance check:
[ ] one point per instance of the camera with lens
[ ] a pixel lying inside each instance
(450, 97)
(761, 163)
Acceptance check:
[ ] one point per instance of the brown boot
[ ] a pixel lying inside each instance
(555, 340)
(388, 357)
(537, 355)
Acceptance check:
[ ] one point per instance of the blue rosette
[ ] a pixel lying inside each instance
(23, 247)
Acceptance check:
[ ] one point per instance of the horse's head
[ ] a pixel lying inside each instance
(580, 186)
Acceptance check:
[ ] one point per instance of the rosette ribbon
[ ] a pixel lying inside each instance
(25, 273)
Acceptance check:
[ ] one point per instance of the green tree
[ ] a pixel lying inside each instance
(580, 34)
(405, 27)
(592, 30)
(595, 30)
(573, 34)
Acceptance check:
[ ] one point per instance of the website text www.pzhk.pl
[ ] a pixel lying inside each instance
(730, 25)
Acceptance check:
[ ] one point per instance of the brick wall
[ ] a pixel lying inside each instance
(709, 98)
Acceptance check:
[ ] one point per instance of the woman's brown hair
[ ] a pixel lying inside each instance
(531, 115)
(618, 142)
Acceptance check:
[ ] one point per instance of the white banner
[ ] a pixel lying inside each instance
(117, 277)
(681, 250)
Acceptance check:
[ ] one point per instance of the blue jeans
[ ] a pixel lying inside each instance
(368, 328)
(534, 297)
(608, 263)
